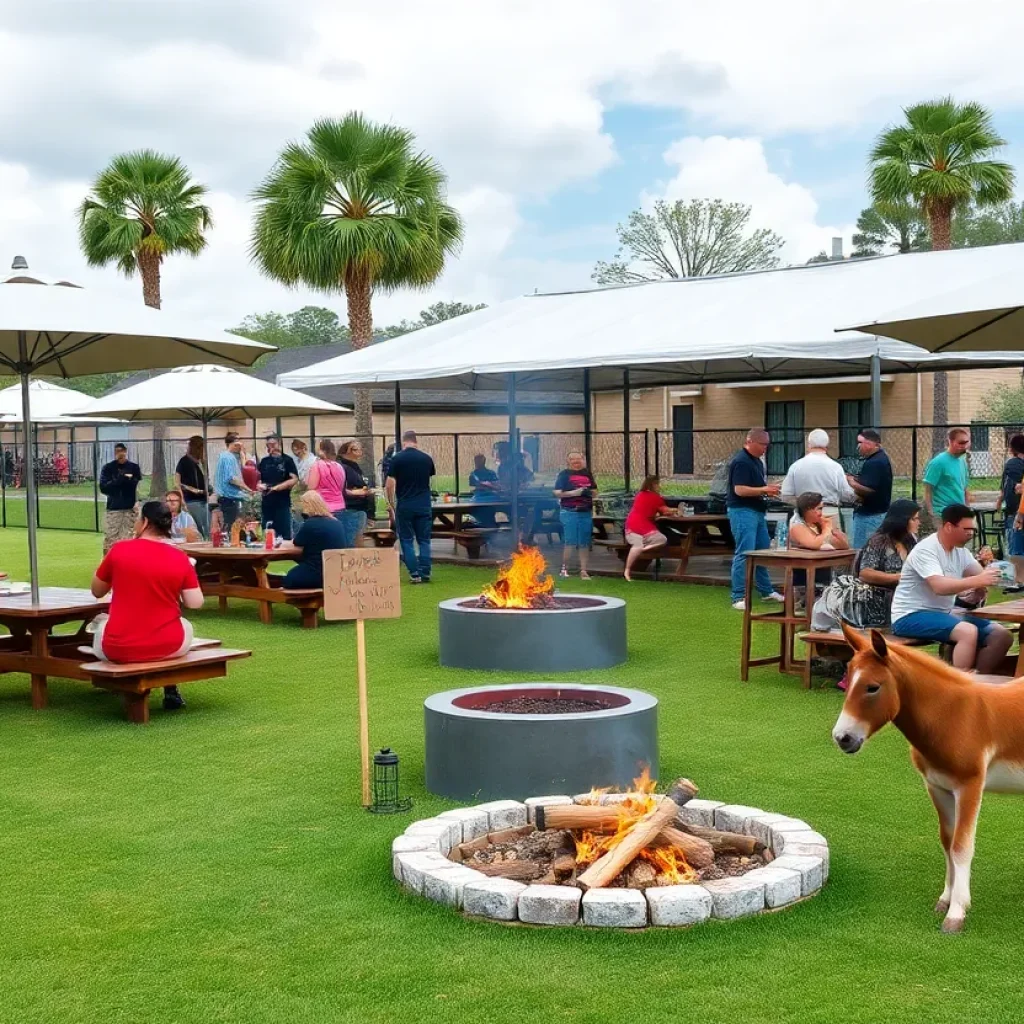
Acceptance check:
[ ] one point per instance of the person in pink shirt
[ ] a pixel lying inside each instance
(327, 478)
(641, 531)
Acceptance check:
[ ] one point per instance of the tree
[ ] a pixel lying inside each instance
(940, 157)
(434, 314)
(355, 209)
(311, 325)
(1005, 404)
(143, 207)
(822, 257)
(688, 239)
(995, 226)
(890, 227)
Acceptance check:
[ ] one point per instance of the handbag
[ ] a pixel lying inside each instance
(850, 600)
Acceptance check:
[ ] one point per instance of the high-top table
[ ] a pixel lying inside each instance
(34, 648)
(787, 619)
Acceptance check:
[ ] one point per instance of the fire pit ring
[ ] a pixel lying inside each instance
(582, 631)
(421, 863)
(473, 752)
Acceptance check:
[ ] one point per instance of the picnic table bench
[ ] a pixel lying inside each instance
(818, 643)
(382, 537)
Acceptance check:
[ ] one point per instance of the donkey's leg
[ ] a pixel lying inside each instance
(945, 807)
(968, 803)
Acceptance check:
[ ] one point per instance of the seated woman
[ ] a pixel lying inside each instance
(811, 529)
(319, 532)
(640, 530)
(183, 526)
(148, 579)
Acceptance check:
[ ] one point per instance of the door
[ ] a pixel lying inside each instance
(682, 439)
(854, 416)
(785, 422)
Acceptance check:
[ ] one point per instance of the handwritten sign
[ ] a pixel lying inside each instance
(362, 583)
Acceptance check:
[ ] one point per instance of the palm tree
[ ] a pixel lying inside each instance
(941, 157)
(143, 207)
(354, 208)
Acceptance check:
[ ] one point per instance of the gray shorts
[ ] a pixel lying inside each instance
(646, 540)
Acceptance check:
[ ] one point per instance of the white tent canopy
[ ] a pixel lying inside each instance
(205, 393)
(696, 330)
(50, 403)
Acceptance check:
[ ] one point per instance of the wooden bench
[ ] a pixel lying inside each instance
(134, 681)
(601, 524)
(819, 642)
(198, 644)
(643, 562)
(382, 537)
(474, 540)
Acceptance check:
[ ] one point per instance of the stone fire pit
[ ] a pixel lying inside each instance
(421, 860)
(514, 740)
(577, 632)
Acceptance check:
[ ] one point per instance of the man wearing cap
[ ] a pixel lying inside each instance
(873, 486)
(817, 473)
(119, 481)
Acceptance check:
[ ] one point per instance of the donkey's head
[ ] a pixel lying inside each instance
(872, 697)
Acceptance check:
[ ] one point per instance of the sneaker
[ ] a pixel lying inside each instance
(173, 701)
(415, 579)
(584, 575)
(842, 684)
(564, 573)
(740, 606)
(424, 579)
(774, 596)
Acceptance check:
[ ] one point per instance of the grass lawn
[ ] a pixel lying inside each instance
(216, 866)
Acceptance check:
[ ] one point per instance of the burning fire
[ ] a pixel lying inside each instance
(670, 863)
(522, 583)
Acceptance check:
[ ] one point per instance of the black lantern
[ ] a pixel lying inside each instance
(385, 784)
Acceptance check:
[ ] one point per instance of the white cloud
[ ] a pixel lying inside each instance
(737, 170)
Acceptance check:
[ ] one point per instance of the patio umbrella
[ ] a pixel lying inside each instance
(203, 394)
(987, 316)
(52, 327)
(50, 403)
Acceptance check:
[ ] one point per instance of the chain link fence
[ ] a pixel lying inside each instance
(67, 473)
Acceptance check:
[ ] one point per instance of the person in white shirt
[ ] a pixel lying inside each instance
(936, 572)
(816, 472)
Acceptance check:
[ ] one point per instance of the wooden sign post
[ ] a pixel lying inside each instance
(361, 584)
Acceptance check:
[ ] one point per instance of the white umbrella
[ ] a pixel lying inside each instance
(50, 403)
(987, 316)
(53, 327)
(205, 393)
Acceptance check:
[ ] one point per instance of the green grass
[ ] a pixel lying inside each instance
(216, 866)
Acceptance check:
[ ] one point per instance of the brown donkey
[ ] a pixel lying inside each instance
(966, 737)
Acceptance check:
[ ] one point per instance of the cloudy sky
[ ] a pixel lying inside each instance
(553, 118)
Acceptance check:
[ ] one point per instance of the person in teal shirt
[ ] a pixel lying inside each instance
(947, 477)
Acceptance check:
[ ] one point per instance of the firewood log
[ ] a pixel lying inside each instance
(723, 842)
(610, 865)
(519, 870)
(699, 853)
(592, 817)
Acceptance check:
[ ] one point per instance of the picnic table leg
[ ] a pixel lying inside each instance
(788, 612)
(309, 618)
(810, 651)
(266, 608)
(745, 649)
(40, 649)
(136, 707)
(224, 575)
(684, 556)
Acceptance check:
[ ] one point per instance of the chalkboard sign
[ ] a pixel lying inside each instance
(362, 583)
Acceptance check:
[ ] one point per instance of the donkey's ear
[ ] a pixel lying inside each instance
(878, 644)
(856, 640)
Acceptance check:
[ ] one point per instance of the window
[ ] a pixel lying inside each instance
(785, 422)
(979, 436)
(854, 415)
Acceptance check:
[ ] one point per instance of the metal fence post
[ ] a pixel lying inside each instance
(913, 463)
(3, 486)
(647, 453)
(456, 450)
(657, 452)
(96, 482)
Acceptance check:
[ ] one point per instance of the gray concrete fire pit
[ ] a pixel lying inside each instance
(496, 742)
(576, 632)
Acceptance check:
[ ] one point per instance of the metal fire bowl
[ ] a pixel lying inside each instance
(472, 753)
(533, 640)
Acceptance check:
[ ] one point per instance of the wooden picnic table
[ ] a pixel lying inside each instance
(34, 648)
(242, 572)
(449, 516)
(1011, 612)
(788, 620)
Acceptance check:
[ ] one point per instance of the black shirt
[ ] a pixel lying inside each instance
(116, 485)
(573, 480)
(746, 471)
(192, 475)
(1013, 474)
(354, 481)
(411, 470)
(274, 470)
(876, 473)
(317, 535)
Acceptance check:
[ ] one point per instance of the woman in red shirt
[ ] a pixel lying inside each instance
(641, 531)
(148, 579)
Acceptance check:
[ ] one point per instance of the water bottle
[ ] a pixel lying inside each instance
(782, 533)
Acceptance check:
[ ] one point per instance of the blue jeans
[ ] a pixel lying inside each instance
(354, 522)
(864, 526)
(750, 531)
(1014, 540)
(414, 525)
(276, 510)
(200, 512)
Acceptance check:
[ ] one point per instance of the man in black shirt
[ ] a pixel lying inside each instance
(746, 504)
(408, 495)
(278, 475)
(119, 481)
(873, 486)
(1010, 497)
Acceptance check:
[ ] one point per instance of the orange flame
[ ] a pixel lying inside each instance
(521, 583)
(670, 863)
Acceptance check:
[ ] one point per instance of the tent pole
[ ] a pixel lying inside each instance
(625, 430)
(876, 392)
(513, 437)
(586, 414)
(398, 414)
(30, 469)
(206, 475)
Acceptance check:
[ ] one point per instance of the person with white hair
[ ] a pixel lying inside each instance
(818, 473)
